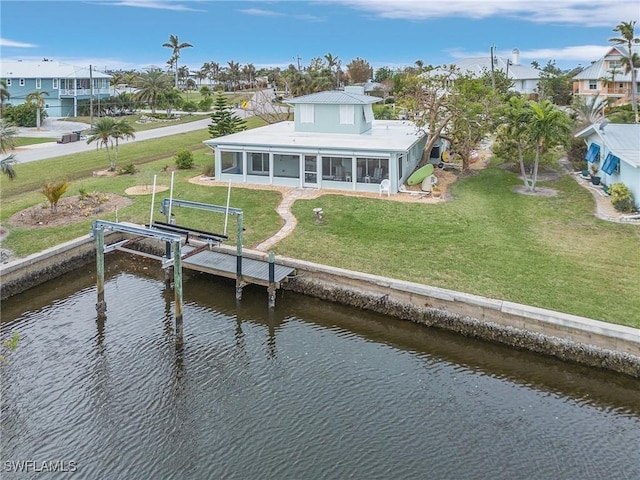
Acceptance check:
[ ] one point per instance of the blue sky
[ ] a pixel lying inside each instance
(123, 34)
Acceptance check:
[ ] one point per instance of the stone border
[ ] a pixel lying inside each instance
(567, 337)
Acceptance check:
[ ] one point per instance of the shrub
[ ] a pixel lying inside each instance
(54, 192)
(209, 170)
(190, 106)
(205, 104)
(576, 153)
(622, 198)
(184, 160)
(23, 115)
(127, 170)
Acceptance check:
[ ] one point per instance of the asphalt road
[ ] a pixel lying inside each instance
(32, 153)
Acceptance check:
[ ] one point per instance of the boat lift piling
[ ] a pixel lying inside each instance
(175, 261)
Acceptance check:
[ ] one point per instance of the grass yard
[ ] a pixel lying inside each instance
(550, 252)
(23, 141)
(547, 252)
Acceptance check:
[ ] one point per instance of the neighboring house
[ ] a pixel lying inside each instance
(525, 79)
(65, 84)
(606, 77)
(333, 142)
(615, 149)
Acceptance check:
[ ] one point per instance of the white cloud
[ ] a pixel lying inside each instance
(155, 4)
(5, 42)
(260, 12)
(573, 12)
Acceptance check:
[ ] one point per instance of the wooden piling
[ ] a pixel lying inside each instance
(239, 281)
(101, 306)
(271, 289)
(177, 281)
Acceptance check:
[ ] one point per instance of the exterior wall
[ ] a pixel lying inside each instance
(350, 181)
(327, 120)
(628, 175)
(60, 101)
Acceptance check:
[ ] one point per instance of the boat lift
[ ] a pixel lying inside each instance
(200, 258)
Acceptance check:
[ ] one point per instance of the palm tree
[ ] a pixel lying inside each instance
(4, 94)
(631, 62)
(333, 62)
(516, 119)
(150, 85)
(121, 129)
(234, 73)
(116, 79)
(101, 132)
(8, 133)
(589, 109)
(176, 46)
(548, 126)
(37, 98)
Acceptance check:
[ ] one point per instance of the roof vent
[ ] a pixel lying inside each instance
(603, 124)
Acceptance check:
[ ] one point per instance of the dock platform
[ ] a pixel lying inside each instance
(224, 265)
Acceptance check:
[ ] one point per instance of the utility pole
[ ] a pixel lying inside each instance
(493, 77)
(298, 59)
(91, 95)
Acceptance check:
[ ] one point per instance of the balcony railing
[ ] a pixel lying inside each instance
(76, 92)
(617, 90)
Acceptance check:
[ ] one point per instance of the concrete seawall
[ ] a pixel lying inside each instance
(568, 337)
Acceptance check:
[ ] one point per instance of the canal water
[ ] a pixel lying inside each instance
(310, 390)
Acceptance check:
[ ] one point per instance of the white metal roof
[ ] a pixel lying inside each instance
(335, 97)
(621, 139)
(384, 136)
(597, 69)
(477, 65)
(48, 69)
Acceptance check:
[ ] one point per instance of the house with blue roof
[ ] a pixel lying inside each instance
(65, 84)
(334, 142)
(615, 150)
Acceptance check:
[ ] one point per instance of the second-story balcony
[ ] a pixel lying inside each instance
(79, 92)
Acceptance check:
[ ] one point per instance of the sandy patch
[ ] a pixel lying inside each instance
(145, 189)
(70, 210)
(539, 192)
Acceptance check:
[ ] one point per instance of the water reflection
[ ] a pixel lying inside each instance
(308, 389)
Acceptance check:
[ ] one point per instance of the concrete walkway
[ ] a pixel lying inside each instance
(284, 210)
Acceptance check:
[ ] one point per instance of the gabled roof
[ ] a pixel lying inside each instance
(597, 69)
(623, 140)
(335, 97)
(477, 65)
(48, 69)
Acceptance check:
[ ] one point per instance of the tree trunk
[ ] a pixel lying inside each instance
(535, 169)
(523, 171)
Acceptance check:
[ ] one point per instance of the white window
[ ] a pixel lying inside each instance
(22, 82)
(8, 82)
(307, 113)
(347, 115)
(54, 83)
(368, 113)
(593, 85)
(38, 83)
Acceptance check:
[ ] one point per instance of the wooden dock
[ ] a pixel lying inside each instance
(225, 265)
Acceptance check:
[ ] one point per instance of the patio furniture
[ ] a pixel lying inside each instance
(385, 186)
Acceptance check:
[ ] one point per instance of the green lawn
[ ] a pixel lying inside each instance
(22, 141)
(547, 252)
(550, 252)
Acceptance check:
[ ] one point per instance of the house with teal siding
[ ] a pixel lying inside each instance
(334, 142)
(614, 149)
(65, 84)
